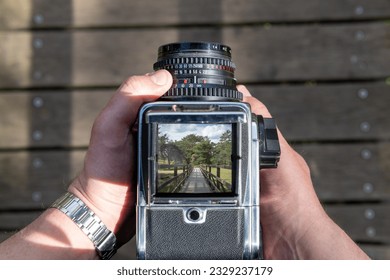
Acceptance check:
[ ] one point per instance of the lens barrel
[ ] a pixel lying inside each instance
(201, 71)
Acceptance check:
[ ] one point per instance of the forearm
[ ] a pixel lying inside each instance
(51, 236)
(106, 184)
(325, 240)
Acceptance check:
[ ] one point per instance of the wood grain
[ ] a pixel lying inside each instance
(277, 54)
(120, 13)
(319, 66)
(364, 223)
(340, 172)
(303, 113)
(33, 180)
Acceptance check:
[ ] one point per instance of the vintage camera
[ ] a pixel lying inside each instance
(200, 152)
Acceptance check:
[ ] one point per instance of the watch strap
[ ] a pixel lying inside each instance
(102, 238)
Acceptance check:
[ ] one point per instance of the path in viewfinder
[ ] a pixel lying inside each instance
(196, 183)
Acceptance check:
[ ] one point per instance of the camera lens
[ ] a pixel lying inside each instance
(200, 70)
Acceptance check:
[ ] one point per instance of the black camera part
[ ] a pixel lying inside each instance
(201, 71)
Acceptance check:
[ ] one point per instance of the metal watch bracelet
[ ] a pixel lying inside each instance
(103, 239)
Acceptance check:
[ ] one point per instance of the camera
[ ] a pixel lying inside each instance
(200, 151)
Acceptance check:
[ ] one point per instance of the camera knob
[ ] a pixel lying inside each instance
(269, 147)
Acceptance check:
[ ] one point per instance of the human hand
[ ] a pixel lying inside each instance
(294, 224)
(107, 184)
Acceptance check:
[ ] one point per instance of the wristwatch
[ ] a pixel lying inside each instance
(103, 239)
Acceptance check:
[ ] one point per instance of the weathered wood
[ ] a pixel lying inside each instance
(262, 54)
(49, 119)
(349, 172)
(364, 223)
(329, 112)
(119, 13)
(308, 113)
(342, 129)
(377, 252)
(33, 180)
(14, 221)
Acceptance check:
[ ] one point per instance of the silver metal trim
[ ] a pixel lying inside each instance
(247, 184)
(102, 238)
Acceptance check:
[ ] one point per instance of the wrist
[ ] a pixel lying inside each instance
(112, 203)
(88, 222)
(51, 236)
(73, 242)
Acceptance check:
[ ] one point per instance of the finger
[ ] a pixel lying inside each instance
(149, 84)
(257, 107)
(135, 91)
(121, 112)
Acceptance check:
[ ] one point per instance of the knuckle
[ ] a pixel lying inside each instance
(134, 84)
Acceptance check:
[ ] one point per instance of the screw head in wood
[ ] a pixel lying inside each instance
(368, 188)
(366, 154)
(362, 93)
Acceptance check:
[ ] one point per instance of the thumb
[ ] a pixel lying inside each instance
(114, 121)
(155, 83)
(133, 93)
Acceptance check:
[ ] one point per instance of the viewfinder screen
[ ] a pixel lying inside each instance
(194, 159)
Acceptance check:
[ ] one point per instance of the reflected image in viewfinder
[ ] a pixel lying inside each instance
(194, 158)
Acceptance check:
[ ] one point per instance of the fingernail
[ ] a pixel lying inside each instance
(159, 77)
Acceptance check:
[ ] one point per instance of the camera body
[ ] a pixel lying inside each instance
(199, 154)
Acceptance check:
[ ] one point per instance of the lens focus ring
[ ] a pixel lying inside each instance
(201, 71)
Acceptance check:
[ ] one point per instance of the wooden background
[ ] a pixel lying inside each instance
(321, 67)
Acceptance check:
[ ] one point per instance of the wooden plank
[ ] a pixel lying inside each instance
(34, 179)
(262, 54)
(364, 223)
(349, 172)
(329, 112)
(11, 221)
(119, 13)
(377, 252)
(304, 113)
(49, 119)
